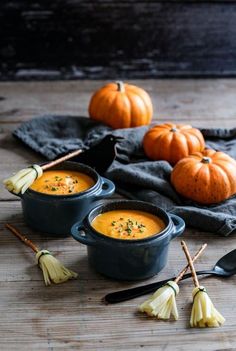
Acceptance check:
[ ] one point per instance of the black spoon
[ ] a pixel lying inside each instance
(225, 267)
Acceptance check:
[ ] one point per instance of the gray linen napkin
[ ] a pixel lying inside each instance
(134, 175)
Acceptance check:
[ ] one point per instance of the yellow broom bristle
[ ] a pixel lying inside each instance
(162, 303)
(204, 314)
(53, 270)
(22, 180)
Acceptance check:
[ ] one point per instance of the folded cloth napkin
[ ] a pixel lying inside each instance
(135, 176)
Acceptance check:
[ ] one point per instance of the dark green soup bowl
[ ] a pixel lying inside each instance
(55, 214)
(128, 259)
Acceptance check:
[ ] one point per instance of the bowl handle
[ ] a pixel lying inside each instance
(76, 232)
(108, 188)
(179, 225)
(19, 194)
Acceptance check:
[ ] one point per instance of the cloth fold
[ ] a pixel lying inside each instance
(135, 176)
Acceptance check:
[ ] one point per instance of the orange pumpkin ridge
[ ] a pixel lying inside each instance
(207, 178)
(172, 142)
(121, 105)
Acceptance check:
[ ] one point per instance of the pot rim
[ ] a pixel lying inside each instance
(103, 237)
(69, 196)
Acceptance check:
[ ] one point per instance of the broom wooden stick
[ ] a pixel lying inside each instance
(163, 302)
(203, 314)
(190, 263)
(23, 238)
(53, 270)
(195, 257)
(61, 159)
(24, 178)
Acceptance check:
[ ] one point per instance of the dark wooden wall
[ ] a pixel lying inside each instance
(64, 39)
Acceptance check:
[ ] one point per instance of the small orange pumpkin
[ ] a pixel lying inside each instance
(208, 177)
(171, 142)
(121, 105)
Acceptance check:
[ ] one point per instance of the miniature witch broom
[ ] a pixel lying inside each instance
(203, 314)
(23, 179)
(53, 270)
(162, 304)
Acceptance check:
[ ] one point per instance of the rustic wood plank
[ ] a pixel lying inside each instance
(72, 315)
(182, 100)
(202, 103)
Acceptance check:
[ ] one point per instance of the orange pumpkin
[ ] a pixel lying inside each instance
(208, 177)
(172, 142)
(121, 105)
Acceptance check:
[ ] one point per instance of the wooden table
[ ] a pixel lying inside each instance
(71, 316)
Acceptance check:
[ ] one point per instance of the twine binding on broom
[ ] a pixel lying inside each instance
(53, 270)
(203, 313)
(22, 180)
(162, 304)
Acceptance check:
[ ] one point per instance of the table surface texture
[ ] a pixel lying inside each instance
(71, 316)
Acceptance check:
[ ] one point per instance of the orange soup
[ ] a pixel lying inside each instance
(128, 224)
(62, 182)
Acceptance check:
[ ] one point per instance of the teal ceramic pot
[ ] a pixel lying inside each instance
(128, 259)
(55, 214)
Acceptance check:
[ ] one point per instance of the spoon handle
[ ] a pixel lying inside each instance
(128, 294)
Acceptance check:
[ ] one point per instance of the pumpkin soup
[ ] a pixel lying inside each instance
(62, 182)
(128, 224)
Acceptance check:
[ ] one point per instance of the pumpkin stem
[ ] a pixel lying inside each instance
(206, 159)
(173, 130)
(120, 86)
